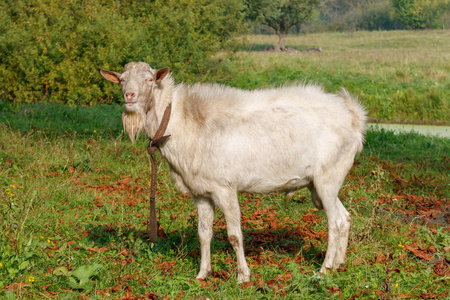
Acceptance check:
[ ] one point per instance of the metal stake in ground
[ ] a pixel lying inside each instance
(154, 144)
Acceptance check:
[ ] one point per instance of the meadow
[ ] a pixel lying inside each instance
(74, 195)
(400, 76)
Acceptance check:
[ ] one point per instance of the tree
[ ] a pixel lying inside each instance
(420, 14)
(347, 15)
(280, 15)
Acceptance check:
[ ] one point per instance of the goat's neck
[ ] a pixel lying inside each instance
(161, 98)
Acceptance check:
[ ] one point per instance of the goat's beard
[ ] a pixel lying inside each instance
(133, 123)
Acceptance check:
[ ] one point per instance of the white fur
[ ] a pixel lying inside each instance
(225, 140)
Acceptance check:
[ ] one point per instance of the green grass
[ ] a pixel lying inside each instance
(58, 118)
(400, 76)
(74, 205)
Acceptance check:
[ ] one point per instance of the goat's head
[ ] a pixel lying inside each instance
(138, 80)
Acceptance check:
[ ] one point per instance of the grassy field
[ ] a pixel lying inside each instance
(74, 207)
(400, 76)
(74, 197)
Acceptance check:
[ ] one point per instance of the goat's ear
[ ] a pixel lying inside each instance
(161, 73)
(111, 76)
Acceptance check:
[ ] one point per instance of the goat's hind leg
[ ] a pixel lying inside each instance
(339, 221)
(205, 208)
(339, 259)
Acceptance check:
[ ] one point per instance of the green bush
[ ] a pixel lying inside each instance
(420, 14)
(348, 15)
(377, 15)
(51, 51)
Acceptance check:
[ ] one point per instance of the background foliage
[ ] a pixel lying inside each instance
(420, 14)
(349, 15)
(280, 15)
(51, 51)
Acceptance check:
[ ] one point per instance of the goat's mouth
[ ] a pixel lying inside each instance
(130, 103)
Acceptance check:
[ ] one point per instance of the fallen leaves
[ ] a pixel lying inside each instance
(125, 262)
(125, 190)
(380, 258)
(431, 295)
(421, 253)
(17, 286)
(95, 249)
(432, 209)
(310, 218)
(214, 280)
(83, 297)
(442, 268)
(267, 228)
(334, 290)
(129, 295)
(165, 266)
(50, 294)
(123, 252)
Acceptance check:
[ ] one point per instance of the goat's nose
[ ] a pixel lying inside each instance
(130, 95)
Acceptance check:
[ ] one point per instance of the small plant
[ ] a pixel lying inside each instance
(80, 278)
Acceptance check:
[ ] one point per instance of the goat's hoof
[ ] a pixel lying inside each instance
(243, 278)
(203, 274)
(324, 270)
(340, 266)
(289, 195)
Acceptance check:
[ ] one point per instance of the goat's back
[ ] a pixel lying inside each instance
(308, 105)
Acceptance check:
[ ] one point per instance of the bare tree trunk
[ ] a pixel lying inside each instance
(281, 41)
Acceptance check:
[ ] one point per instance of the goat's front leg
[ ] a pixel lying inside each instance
(205, 208)
(229, 203)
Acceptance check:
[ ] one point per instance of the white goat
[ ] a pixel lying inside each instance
(225, 140)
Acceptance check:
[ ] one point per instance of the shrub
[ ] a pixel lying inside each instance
(420, 14)
(377, 15)
(51, 50)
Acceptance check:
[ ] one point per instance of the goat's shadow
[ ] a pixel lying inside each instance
(103, 235)
(185, 242)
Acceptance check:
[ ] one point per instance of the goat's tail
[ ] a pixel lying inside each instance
(359, 116)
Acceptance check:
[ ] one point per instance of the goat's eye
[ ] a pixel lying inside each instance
(148, 79)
